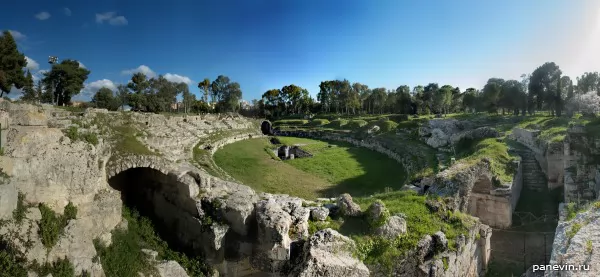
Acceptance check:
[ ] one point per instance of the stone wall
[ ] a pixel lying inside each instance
(550, 156)
(582, 166)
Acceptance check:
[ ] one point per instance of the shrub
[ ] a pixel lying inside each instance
(356, 124)
(319, 122)
(11, 264)
(91, 138)
(398, 117)
(19, 212)
(52, 225)
(59, 268)
(49, 226)
(72, 133)
(387, 125)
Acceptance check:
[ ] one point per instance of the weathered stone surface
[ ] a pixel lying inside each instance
(171, 269)
(347, 206)
(328, 253)
(28, 118)
(273, 248)
(319, 213)
(392, 228)
(576, 242)
(438, 138)
(377, 214)
(440, 241)
(8, 200)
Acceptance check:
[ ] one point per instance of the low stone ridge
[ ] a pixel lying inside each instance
(441, 133)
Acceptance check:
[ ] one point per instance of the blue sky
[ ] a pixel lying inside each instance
(267, 44)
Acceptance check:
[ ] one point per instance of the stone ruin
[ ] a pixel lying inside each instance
(285, 152)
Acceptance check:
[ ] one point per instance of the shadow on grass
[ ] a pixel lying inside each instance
(381, 174)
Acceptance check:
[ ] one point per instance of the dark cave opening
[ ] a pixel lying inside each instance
(154, 195)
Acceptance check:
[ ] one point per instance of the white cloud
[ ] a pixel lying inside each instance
(178, 78)
(142, 68)
(67, 11)
(111, 18)
(81, 64)
(17, 35)
(42, 15)
(90, 89)
(31, 64)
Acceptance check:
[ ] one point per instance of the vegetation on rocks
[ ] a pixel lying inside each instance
(52, 225)
(124, 257)
(21, 210)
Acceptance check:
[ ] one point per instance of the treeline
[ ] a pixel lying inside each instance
(66, 80)
(545, 89)
(159, 95)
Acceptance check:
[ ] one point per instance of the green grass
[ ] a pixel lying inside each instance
(123, 258)
(331, 171)
(319, 122)
(420, 221)
(501, 161)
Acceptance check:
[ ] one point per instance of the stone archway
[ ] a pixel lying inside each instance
(266, 128)
(165, 200)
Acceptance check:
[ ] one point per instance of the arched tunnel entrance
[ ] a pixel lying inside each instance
(162, 199)
(266, 128)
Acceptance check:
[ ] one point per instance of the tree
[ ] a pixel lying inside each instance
(39, 91)
(589, 81)
(543, 86)
(11, 64)
(218, 88)
(470, 99)
(514, 97)
(403, 100)
(292, 95)
(139, 85)
(188, 98)
(587, 103)
(123, 95)
(204, 86)
(105, 99)
(492, 93)
(442, 98)
(67, 79)
(29, 93)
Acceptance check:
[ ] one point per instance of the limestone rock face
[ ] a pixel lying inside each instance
(440, 241)
(171, 269)
(319, 213)
(438, 138)
(273, 248)
(347, 207)
(8, 200)
(328, 253)
(395, 226)
(577, 242)
(479, 133)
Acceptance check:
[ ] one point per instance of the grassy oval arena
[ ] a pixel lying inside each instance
(335, 168)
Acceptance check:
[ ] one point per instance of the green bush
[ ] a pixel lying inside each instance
(72, 133)
(124, 258)
(91, 138)
(19, 212)
(11, 264)
(319, 122)
(53, 225)
(388, 125)
(49, 226)
(353, 124)
(59, 268)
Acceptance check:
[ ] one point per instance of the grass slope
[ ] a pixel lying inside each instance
(332, 171)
